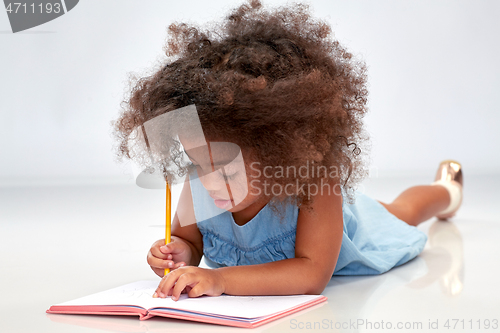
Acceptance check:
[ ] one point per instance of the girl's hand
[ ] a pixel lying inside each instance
(194, 281)
(175, 254)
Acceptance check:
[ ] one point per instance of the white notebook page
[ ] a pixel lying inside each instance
(141, 294)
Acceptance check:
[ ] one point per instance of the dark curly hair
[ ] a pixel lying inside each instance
(273, 81)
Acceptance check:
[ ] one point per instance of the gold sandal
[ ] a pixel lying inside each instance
(449, 175)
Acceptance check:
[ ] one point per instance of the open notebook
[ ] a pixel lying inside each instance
(136, 299)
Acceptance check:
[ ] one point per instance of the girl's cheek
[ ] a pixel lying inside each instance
(211, 181)
(239, 188)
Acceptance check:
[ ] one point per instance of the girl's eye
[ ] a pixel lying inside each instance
(221, 175)
(228, 177)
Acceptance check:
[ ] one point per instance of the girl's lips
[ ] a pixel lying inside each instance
(222, 203)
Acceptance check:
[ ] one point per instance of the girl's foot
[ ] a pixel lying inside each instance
(449, 175)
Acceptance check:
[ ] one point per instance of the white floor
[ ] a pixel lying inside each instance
(62, 242)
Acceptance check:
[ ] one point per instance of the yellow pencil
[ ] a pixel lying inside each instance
(167, 221)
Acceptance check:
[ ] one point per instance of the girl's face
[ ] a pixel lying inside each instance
(221, 170)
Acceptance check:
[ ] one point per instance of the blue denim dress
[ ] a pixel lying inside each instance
(373, 242)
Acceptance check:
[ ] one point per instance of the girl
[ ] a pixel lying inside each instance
(276, 85)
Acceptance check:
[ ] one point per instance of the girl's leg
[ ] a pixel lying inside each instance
(419, 203)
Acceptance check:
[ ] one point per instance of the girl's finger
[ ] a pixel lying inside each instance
(171, 248)
(161, 271)
(196, 291)
(187, 279)
(155, 252)
(185, 291)
(159, 263)
(162, 292)
(167, 283)
(179, 264)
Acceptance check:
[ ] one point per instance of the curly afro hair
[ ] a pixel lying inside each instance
(274, 82)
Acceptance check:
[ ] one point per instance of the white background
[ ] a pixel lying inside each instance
(434, 83)
(433, 80)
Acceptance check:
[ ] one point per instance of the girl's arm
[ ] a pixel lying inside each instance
(317, 246)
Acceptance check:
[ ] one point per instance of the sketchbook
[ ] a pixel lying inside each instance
(136, 299)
